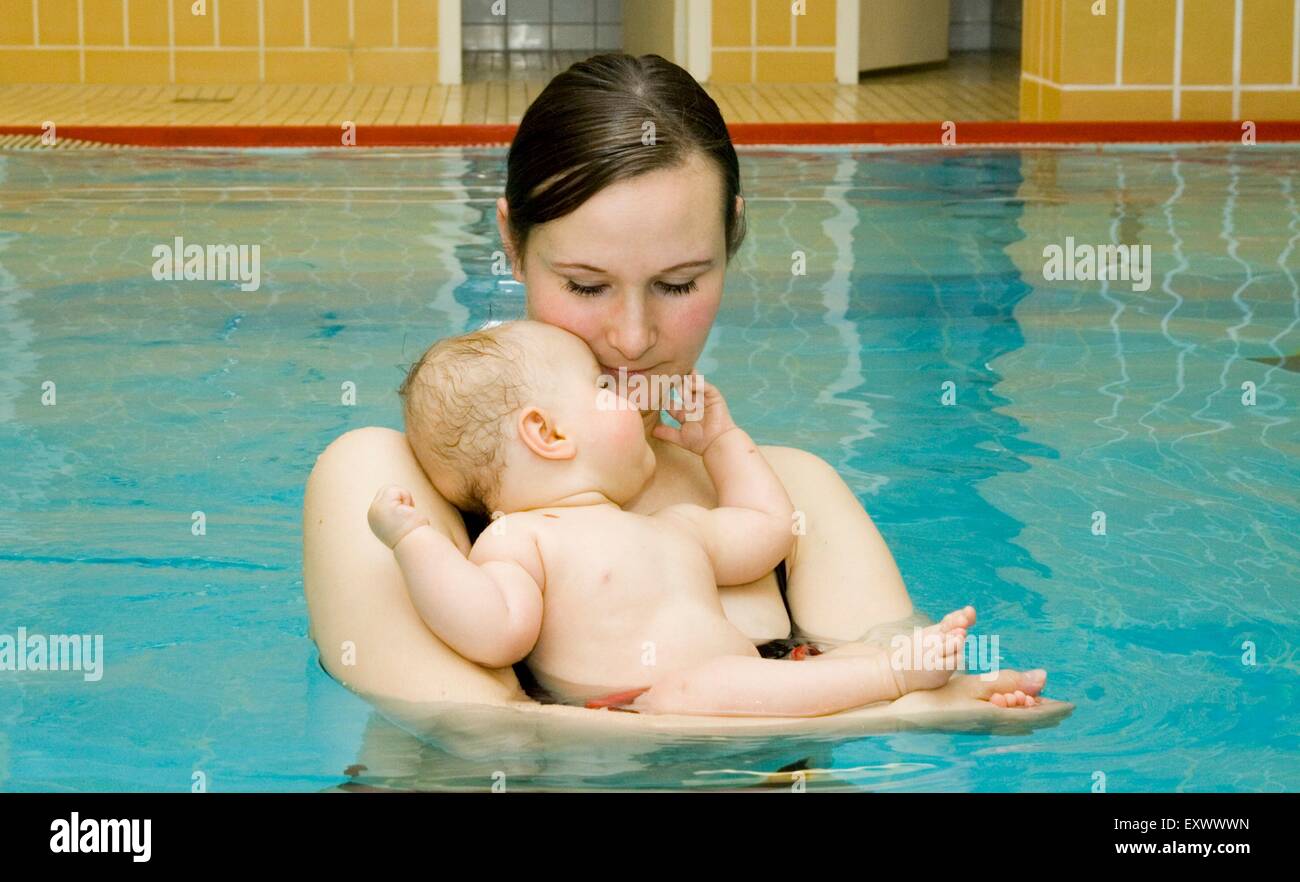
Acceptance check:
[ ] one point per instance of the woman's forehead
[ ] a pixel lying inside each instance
(654, 227)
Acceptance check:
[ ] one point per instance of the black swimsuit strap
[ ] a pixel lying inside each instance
(780, 648)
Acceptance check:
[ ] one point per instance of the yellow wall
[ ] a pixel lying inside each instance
(649, 28)
(236, 41)
(1081, 66)
(762, 41)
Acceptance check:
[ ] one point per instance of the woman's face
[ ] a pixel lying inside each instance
(636, 271)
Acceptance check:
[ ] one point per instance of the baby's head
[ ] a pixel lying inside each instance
(514, 417)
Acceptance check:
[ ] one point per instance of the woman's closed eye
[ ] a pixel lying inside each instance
(594, 290)
(583, 290)
(684, 288)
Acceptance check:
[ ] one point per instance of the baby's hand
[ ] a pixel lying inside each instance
(696, 434)
(392, 515)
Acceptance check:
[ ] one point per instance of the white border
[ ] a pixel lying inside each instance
(699, 38)
(449, 67)
(1295, 44)
(679, 32)
(847, 22)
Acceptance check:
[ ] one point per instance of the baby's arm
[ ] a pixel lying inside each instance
(750, 531)
(488, 607)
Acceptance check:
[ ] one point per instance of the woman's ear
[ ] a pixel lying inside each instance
(507, 241)
(539, 433)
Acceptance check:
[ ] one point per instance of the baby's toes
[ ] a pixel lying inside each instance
(959, 618)
(952, 644)
(1011, 699)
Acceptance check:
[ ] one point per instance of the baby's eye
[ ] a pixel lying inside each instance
(583, 290)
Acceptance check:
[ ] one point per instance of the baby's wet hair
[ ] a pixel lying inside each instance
(457, 400)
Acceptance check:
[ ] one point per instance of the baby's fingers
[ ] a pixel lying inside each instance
(667, 433)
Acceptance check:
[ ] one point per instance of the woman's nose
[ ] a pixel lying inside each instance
(630, 332)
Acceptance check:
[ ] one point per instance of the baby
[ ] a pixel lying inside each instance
(607, 607)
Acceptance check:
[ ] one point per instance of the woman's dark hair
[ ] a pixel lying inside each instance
(587, 129)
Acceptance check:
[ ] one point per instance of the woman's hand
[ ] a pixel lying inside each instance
(698, 430)
(392, 515)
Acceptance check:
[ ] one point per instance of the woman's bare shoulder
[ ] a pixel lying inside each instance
(369, 437)
(349, 472)
(794, 460)
(812, 482)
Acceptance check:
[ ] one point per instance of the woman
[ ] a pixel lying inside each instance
(621, 211)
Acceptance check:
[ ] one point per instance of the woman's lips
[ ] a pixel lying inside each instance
(614, 371)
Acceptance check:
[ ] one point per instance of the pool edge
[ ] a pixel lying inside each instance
(945, 133)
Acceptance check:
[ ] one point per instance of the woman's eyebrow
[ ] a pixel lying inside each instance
(595, 269)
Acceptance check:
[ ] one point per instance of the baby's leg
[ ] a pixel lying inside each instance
(906, 650)
(749, 686)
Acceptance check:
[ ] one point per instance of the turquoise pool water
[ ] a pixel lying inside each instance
(923, 267)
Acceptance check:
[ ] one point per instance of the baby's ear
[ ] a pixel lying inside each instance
(539, 432)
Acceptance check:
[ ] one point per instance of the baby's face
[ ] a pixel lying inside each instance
(608, 430)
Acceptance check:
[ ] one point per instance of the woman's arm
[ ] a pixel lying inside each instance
(842, 579)
(367, 631)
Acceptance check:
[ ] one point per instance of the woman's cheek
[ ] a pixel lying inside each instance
(549, 302)
(692, 320)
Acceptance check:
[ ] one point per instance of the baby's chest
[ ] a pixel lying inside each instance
(636, 562)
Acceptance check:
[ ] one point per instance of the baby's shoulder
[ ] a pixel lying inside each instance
(511, 539)
(503, 524)
(682, 513)
(506, 532)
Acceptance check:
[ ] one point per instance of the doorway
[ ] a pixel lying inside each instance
(934, 59)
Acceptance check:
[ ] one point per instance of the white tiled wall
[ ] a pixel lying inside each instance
(543, 24)
(980, 25)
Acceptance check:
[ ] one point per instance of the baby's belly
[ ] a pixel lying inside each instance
(579, 663)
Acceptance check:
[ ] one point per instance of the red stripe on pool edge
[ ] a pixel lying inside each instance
(967, 133)
(277, 136)
(1009, 132)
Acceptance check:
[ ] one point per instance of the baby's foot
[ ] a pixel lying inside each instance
(927, 659)
(1025, 694)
